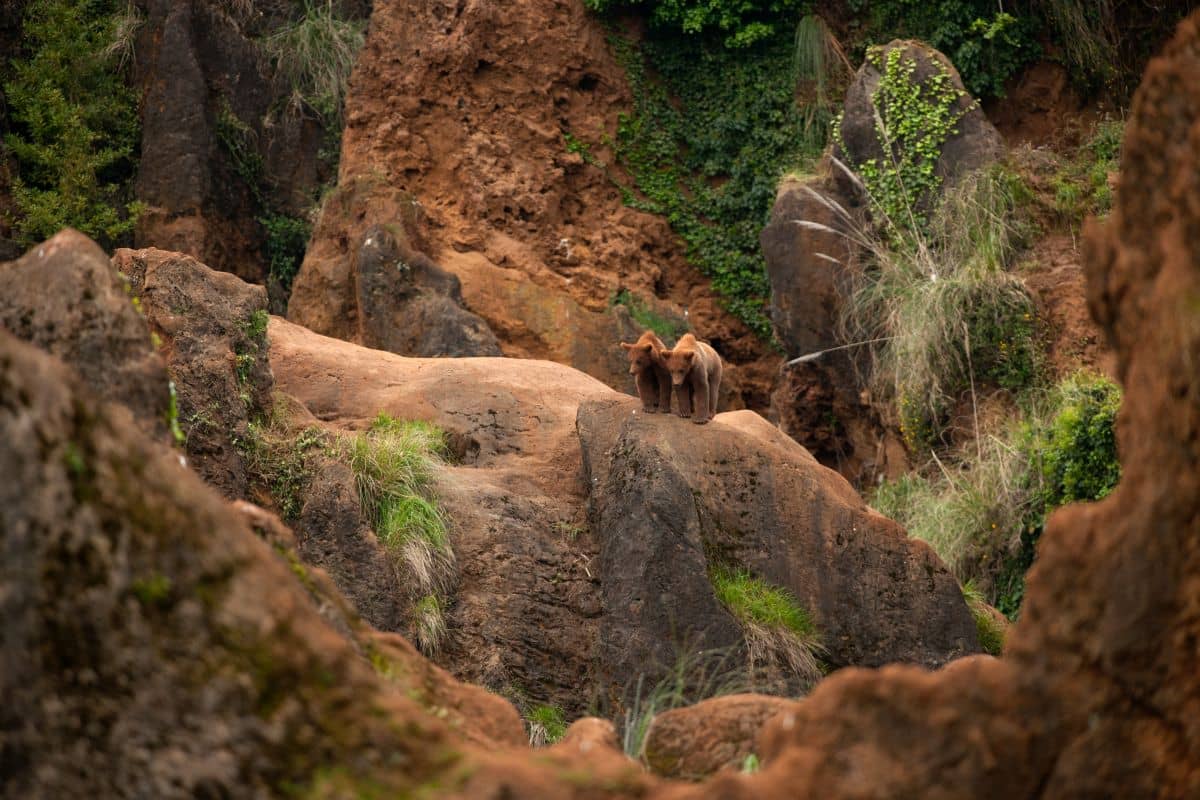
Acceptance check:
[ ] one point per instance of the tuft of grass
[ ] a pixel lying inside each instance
(991, 631)
(777, 628)
(1081, 185)
(393, 463)
(941, 305)
(430, 624)
(315, 56)
(276, 456)
(696, 675)
(644, 315)
(547, 724)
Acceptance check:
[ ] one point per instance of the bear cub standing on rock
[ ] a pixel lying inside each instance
(649, 373)
(696, 375)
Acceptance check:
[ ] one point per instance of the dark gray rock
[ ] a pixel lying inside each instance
(409, 305)
(667, 500)
(975, 144)
(66, 298)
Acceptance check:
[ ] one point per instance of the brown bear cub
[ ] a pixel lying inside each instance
(649, 373)
(696, 375)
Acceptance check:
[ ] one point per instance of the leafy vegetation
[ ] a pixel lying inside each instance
(75, 127)
(277, 457)
(547, 724)
(776, 627)
(1081, 185)
(710, 133)
(640, 311)
(983, 509)
(740, 23)
(913, 121)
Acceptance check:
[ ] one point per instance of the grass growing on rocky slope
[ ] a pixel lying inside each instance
(393, 464)
(547, 724)
(641, 312)
(277, 457)
(315, 55)
(947, 313)
(983, 508)
(696, 675)
(776, 627)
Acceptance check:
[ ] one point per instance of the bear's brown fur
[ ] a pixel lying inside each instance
(649, 373)
(695, 370)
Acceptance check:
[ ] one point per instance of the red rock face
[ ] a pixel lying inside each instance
(464, 109)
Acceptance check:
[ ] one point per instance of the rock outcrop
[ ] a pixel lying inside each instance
(696, 741)
(215, 147)
(972, 143)
(65, 297)
(212, 327)
(464, 138)
(812, 272)
(669, 506)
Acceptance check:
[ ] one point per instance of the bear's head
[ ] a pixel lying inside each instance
(678, 363)
(642, 356)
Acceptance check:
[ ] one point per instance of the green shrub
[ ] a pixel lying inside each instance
(75, 128)
(547, 724)
(276, 457)
(1081, 184)
(987, 45)
(740, 23)
(983, 509)
(1079, 449)
(286, 241)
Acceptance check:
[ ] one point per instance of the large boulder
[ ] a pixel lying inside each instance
(213, 329)
(669, 503)
(65, 297)
(365, 280)
(972, 144)
(695, 741)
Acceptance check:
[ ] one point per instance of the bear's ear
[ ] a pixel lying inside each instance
(626, 346)
(648, 347)
(664, 353)
(690, 355)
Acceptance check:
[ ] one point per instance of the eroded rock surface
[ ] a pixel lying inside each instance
(669, 505)
(65, 297)
(699, 740)
(212, 326)
(465, 139)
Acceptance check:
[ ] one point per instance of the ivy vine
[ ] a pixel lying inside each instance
(914, 119)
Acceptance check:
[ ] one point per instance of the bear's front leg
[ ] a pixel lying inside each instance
(647, 386)
(700, 393)
(664, 392)
(683, 396)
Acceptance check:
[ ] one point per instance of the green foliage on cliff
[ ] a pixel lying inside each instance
(739, 23)
(983, 508)
(710, 133)
(314, 55)
(75, 129)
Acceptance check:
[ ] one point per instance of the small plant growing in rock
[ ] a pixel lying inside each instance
(547, 724)
(991, 631)
(429, 621)
(641, 312)
(776, 627)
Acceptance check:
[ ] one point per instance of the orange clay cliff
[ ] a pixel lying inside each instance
(649, 373)
(696, 375)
